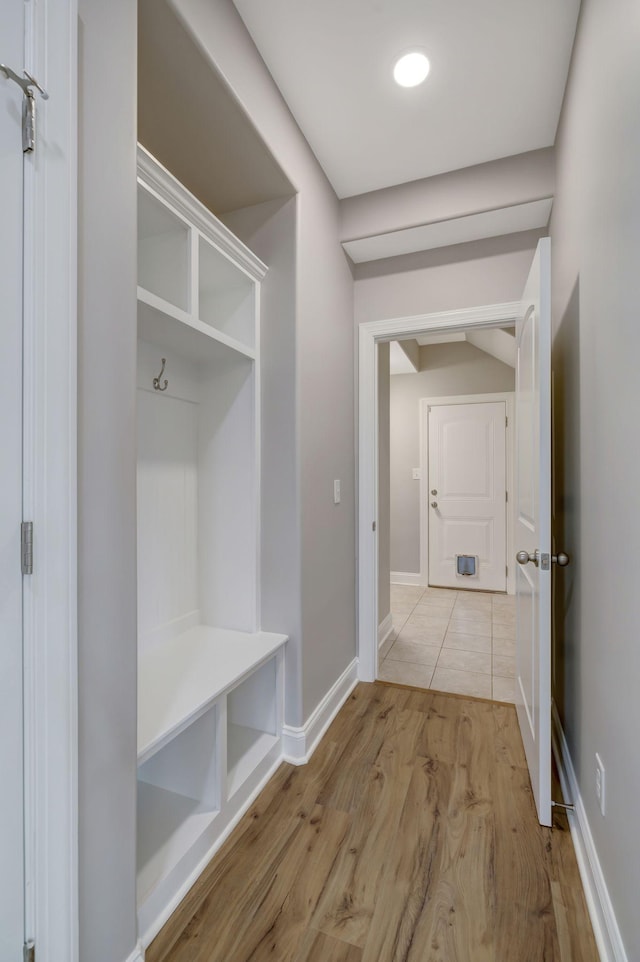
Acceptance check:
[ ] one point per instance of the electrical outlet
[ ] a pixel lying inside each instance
(600, 784)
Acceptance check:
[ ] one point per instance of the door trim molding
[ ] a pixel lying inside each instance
(49, 487)
(425, 403)
(369, 335)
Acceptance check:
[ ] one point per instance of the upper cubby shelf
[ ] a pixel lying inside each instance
(164, 250)
(195, 277)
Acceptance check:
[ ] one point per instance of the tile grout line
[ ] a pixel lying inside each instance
(441, 645)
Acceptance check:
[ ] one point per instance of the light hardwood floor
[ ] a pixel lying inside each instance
(411, 835)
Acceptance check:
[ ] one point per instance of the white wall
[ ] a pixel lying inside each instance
(595, 231)
(106, 484)
(446, 370)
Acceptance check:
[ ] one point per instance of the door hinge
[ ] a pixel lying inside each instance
(506, 497)
(373, 526)
(29, 952)
(506, 570)
(506, 421)
(26, 547)
(28, 85)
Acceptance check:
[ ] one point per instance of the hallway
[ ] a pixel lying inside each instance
(410, 835)
(461, 642)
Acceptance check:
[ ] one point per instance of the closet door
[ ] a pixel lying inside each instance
(11, 684)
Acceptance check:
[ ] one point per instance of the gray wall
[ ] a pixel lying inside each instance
(446, 370)
(324, 343)
(595, 231)
(463, 275)
(384, 480)
(107, 627)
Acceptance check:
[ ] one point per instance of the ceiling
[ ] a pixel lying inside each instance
(404, 357)
(455, 230)
(498, 72)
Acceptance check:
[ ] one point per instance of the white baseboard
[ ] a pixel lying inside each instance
(299, 744)
(138, 954)
(603, 919)
(384, 629)
(407, 578)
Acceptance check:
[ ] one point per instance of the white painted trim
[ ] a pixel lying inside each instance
(384, 630)
(605, 926)
(509, 399)
(49, 490)
(369, 335)
(408, 578)
(138, 954)
(299, 744)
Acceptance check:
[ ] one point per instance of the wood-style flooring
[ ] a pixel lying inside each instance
(411, 836)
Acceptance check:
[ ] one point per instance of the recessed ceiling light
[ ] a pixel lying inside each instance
(411, 69)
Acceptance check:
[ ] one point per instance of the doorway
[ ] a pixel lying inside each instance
(449, 631)
(370, 335)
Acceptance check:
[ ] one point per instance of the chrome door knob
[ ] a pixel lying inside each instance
(434, 491)
(561, 559)
(523, 558)
(434, 504)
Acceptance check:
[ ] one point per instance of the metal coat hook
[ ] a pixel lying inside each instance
(157, 380)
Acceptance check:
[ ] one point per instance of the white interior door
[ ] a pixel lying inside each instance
(533, 527)
(467, 485)
(11, 684)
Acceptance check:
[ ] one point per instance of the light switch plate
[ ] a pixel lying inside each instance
(416, 474)
(336, 492)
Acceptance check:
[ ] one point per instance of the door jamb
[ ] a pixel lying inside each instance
(425, 403)
(370, 334)
(49, 487)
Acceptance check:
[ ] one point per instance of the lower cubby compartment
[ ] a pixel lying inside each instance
(169, 825)
(252, 724)
(196, 778)
(178, 798)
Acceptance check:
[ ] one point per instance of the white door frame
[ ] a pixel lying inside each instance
(49, 486)
(425, 404)
(370, 334)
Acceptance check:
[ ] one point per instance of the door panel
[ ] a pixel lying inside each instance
(467, 515)
(11, 685)
(533, 527)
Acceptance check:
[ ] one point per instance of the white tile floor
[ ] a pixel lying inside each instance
(457, 641)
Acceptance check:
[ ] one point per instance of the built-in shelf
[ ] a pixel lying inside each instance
(180, 679)
(210, 699)
(168, 826)
(172, 329)
(246, 748)
(226, 296)
(164, 245)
